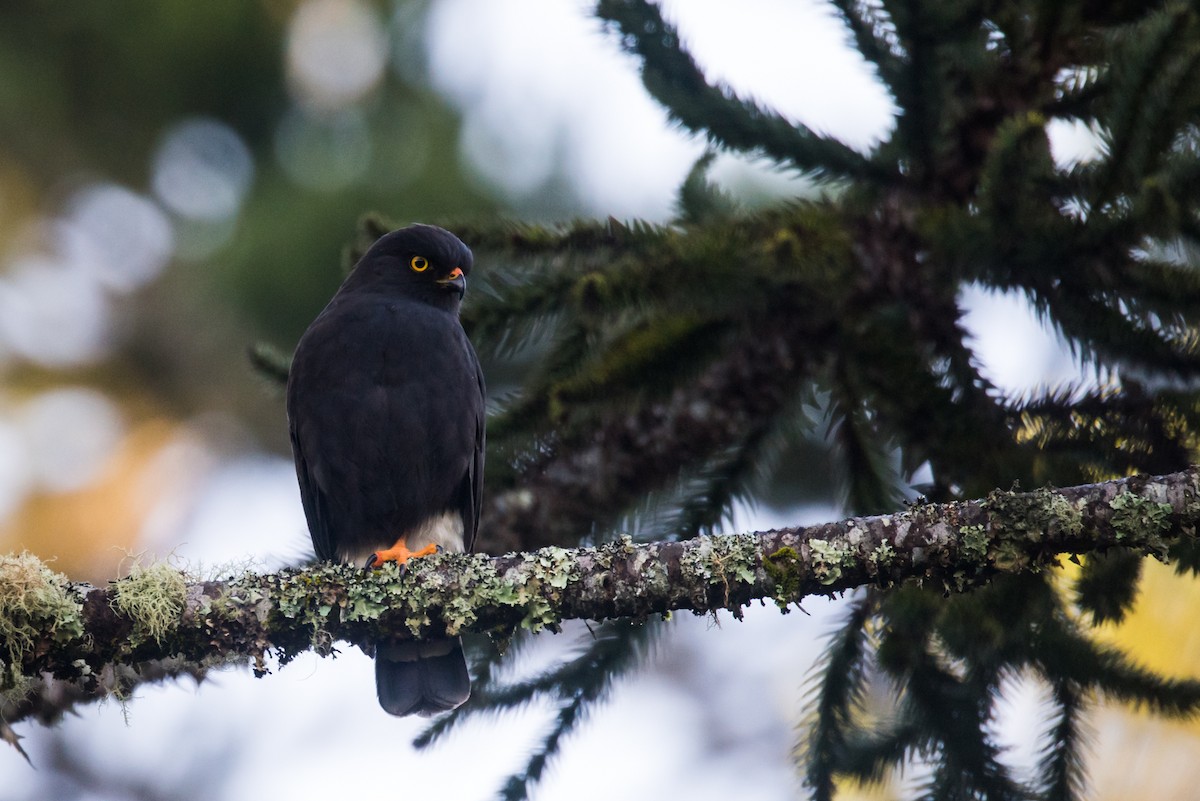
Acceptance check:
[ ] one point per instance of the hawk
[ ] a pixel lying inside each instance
(385, 404)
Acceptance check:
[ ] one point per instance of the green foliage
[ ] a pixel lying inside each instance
(1061, 767)
(835, 699)
(1107, 585)
(625, 316)
(677, 82)
(700, 200)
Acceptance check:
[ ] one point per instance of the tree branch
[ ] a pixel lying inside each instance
(674, 79)
(63, 643)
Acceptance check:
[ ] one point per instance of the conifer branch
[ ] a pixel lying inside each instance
(604, 469)
(159, 623)
(674, 79)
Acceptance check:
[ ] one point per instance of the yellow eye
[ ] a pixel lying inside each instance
(419, 264)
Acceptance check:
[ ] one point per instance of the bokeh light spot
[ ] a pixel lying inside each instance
(124, 238)
(52, 313)
(202, 170)
(336, 52)
(70, 433)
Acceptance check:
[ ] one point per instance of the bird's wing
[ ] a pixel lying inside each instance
(475, 471)
(316, 506)
(307, 418)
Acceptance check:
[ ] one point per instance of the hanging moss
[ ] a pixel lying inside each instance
(35, 604)
(153, 598)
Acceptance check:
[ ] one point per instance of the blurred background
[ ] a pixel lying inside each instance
(178, 182)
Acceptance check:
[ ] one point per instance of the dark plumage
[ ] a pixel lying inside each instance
(386, 413)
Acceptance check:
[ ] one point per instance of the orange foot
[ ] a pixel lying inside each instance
(400, 553)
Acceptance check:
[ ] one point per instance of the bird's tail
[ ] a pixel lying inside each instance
(421, 678)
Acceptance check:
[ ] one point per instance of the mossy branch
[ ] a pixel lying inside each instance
(64, 643)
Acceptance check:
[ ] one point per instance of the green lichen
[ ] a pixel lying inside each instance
(314, 596)
(554, 567)
(479, 585)
(695, 562)
(785, 570)
(610, 552)
(828, 559)
(1008, 556)
(1135, 516)
(735, 555)
(153, 598)
(1191, 509)
(881, 555)
(720, 561)
(1139, 519)
(456, 584)
(368, 599)
(1064, 515)
(974, 543)
(452, 586)
(549, 572)
(18, 689)
(1021, 519)
(440, 592)
(35, 602)
(1019, 514)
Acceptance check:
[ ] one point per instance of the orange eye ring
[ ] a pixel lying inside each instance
(419, 264)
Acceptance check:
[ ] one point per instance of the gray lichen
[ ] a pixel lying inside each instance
(720, 561)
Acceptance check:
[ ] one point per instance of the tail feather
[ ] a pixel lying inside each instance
(421, 678)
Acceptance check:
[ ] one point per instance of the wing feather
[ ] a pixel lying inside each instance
(471, 493)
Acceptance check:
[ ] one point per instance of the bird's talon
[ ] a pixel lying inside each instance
(400, 554)
(371, 560)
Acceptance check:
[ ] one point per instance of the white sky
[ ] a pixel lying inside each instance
(538, 81)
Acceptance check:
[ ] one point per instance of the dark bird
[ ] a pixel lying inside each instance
(385, 405)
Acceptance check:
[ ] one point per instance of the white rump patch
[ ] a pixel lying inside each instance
(445, 530)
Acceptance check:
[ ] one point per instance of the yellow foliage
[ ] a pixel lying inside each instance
(1136, 754)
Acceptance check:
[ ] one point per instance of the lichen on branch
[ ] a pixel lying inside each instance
(63, 642)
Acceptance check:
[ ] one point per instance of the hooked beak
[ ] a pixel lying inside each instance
(455, 282)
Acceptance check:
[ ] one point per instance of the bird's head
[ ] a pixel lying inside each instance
(421, 261)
